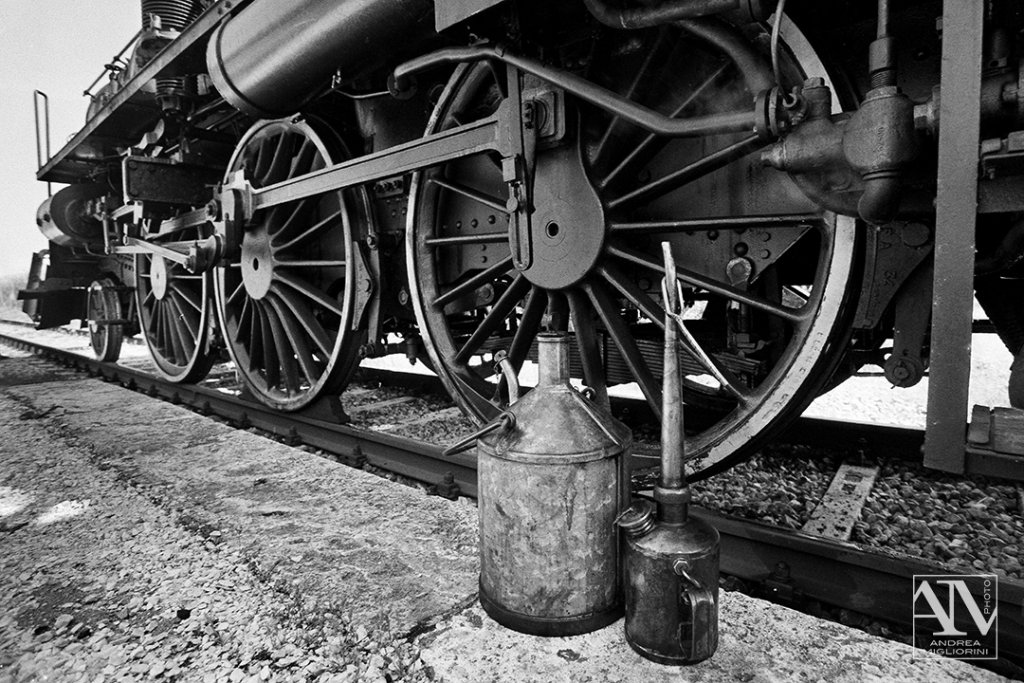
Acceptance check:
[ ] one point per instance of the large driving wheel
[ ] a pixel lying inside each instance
(285, 300)
(767, 276)
(175, 314)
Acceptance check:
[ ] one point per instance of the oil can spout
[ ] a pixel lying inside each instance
(552, 359)
(673, 448)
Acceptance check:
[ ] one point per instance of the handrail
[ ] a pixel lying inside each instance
(37, 96)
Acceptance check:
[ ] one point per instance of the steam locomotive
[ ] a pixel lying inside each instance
(305, 183)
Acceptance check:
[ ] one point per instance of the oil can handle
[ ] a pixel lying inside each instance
(506, 420)
(703, 618)
(503, 366)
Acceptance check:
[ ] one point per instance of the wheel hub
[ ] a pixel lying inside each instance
(567, 227)
(158, 277)
(257, 263)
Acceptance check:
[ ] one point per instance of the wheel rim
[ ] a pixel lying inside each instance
(796, 303)
(174, 312)
(285, 300)
(104, 304)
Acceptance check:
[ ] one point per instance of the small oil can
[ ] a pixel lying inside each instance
(670, 561)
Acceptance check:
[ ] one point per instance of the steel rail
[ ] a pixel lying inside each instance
(314, 427)
(793, 566)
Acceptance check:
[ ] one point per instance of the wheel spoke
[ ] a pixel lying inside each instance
(586, 344)
(721, 374)
(153, 324)
(304, 159)
(272, 372)
(713, 286)
(803, 296)
(529, 325)
(279, 162)
(630, 93)
(469, 193)
(688, 173)
(262, 161)
(285, 358)
(188, 296)
(298, 210)
(309, 292)
(187, 334)
(484, 276)
(656, 313)
(255, 339)
(632, 293)
(310, 264)
(297, 340)
(239, 290)
(799, 221)
(609, 314)
(244, 320)
(308, 233)
(482, 238)
(187, 316)
(501, 309)
(305, 316)
(174, 336)
(652, 143)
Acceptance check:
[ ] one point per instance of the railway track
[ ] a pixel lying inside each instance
(791, 567)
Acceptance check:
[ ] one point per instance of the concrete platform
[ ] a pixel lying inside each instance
(402, 563)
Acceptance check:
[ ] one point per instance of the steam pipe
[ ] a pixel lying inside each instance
(755, 71)
(672, 10)
(645, 118)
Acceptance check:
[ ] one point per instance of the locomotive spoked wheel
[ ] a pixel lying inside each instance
(767, 276)
(285, 299)
(174, 309)
(104, 306)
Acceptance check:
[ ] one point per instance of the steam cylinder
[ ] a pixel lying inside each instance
(550, 489)
(274, 56)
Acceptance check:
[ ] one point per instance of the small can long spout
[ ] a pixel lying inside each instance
(673, 451)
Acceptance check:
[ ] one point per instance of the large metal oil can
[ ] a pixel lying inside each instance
(551, 484)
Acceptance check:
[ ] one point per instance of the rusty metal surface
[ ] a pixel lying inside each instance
(956, 205)
(551, 486)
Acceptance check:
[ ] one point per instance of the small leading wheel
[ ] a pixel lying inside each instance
(105, 335)
(285, 300)
(768, 278)
(175, 314)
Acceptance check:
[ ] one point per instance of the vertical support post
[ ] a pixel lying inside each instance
(956, 215)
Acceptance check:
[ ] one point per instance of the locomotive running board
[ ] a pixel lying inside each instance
(182, 55)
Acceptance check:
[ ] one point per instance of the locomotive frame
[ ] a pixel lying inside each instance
(548, 118)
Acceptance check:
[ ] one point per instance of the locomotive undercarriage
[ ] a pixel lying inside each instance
(522, 179)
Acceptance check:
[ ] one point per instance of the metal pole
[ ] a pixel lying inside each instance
(956, 212)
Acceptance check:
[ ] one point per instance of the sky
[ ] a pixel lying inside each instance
(59, 47)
